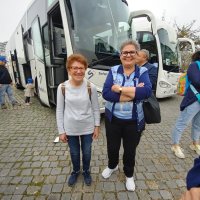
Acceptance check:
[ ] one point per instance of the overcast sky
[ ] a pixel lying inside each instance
(183, 11)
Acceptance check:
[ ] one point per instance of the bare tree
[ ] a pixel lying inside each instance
(187, 31)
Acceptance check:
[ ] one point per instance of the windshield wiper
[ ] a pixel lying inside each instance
(113, 55)
(125, 2)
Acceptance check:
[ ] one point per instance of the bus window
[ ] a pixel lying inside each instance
(58, 45)
(46, 44)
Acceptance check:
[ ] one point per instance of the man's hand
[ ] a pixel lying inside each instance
(140, 85)
(63, 137)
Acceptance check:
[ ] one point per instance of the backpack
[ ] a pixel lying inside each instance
(88, 88)
(184, 83)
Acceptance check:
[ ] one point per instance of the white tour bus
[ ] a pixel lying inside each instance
(161, 40)
(51, 30)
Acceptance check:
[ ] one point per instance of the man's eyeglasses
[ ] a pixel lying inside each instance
(77, 68)
(126, 53)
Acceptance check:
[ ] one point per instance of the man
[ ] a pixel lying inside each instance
(142, 60)
(5, 85)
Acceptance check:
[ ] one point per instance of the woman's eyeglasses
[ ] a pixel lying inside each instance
(126, 53)
(74, 68)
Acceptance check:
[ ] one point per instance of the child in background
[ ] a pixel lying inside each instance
(29, 91)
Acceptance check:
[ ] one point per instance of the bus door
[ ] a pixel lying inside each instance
(55, 47)
(19, 57)
(40, 82)
(27, 53)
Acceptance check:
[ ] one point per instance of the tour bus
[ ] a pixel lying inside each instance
(161, 40)
(51, 30)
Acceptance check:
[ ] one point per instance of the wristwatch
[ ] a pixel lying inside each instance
(120, 90)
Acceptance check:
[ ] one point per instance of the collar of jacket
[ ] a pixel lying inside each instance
(120, 70)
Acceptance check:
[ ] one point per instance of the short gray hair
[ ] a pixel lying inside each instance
(130, 42)
(146, 53)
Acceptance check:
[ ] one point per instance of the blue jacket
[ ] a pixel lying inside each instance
(193, 176)
(116, 76)
(193, 76)
(153, 73)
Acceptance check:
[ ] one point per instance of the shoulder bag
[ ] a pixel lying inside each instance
(151, 110)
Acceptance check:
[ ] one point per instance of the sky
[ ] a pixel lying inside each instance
(183, 11)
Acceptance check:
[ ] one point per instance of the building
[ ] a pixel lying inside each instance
(3, 48)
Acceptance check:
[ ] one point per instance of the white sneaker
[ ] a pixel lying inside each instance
(130, 184)
(178, 151)
(107, 172)
(195, 147)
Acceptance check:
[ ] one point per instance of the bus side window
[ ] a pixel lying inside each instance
(59, 42)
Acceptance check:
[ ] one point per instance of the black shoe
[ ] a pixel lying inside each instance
(73, 178)
(87, 178)
(16, 104)
(3, 106)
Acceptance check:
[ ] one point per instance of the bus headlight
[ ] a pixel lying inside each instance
(164, 84)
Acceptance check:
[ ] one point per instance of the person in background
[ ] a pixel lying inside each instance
(5, 85)
(29, 91)
(190, 111)
(193, 182)
(125, 88)
(142, 60)
(78, 116)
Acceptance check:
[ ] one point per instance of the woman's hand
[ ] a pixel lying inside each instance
(96, 133)
(116, 88)
(63, 137)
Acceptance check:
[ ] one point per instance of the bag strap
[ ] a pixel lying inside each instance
(63, 88)
(193, 89)
(198, 64)
(88, 88)
(191, 86)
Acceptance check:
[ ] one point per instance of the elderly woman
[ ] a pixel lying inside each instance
(78, 116)
(124, 89)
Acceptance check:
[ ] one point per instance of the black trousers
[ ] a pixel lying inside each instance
(126, 131)
(27, 99)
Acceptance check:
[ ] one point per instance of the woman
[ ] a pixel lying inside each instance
(190, 111)
(124, 89)
(78, 116)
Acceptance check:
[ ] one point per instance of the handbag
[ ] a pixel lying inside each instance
(151, 109)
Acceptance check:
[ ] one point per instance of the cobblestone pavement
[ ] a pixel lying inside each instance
(33, 167)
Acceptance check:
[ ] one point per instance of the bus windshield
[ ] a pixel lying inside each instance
(169, 52)
(99, 27)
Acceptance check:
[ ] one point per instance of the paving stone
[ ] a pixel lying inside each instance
(54, 197)
(165, 194)
(155, 194)
(27, 180)
(46, 189)
(108, 186)
(17, 197)
(66, 196)
(33, 167)
(20, 189)
(98, 196)
(6, 197)
(57, 188)
(122, 196)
